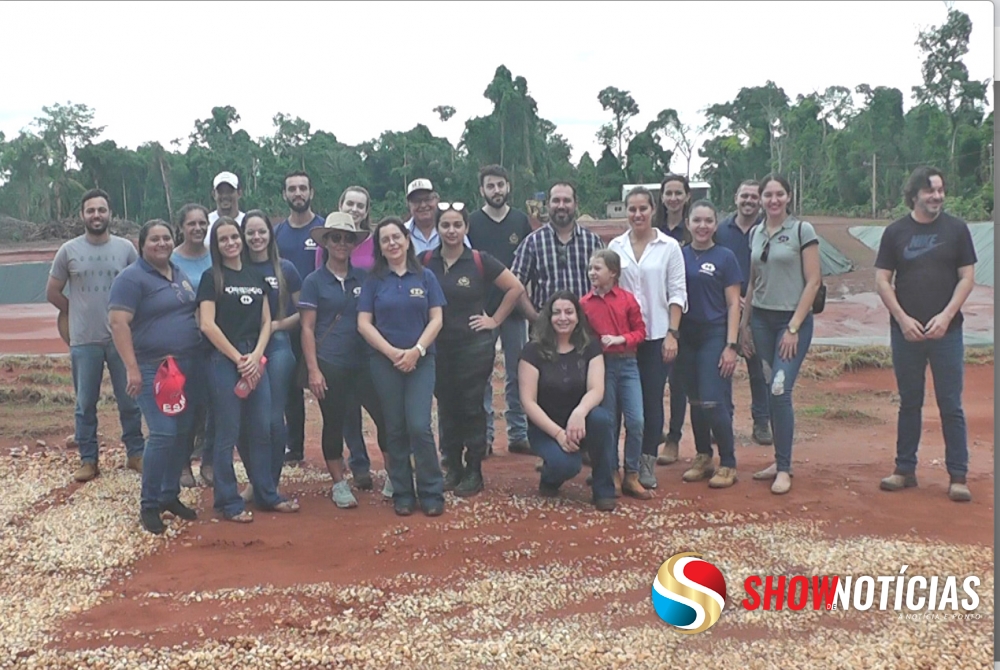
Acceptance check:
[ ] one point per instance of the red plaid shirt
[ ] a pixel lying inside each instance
(615, 313)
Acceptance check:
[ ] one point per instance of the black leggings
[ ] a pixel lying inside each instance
(342, 384)
(463, 370)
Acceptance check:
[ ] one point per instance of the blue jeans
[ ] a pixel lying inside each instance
(760, 408)
(295, 402)
(166, 452)
(561, 466)
(947, 359)
(234, 416)
(406, 403)
(700, 348)
(513, 334)
(653, 373)
(355, 439)
(678, 405)
(87, 362)
(281, 372)
(623, 397)
(768, 326)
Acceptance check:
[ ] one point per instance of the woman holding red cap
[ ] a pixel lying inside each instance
(152, 315)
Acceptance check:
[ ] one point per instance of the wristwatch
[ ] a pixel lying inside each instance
(793, 329)
(731, 345)
(675, 333)
(421, 349)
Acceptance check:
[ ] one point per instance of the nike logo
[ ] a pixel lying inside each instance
(920, 245)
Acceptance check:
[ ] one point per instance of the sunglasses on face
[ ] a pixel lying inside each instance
(445, 206)
(338, 238)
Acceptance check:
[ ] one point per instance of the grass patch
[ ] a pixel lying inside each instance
(44, 378)
(979, 355)
(824, 362)
(35, 363)
(41, 395)
(812, 410)
(850, 415)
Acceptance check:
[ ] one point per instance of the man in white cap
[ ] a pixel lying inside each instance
(423, 202)
(227, 192)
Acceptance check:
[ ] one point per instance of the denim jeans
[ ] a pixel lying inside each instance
(768, 326)
(281, 372)
(759, 407)
(199, 397)
(406, 400)
(700, 348)
(678, 405)
(295, 403)
(561, 466)
(513, 335)
(87, 361)
(347, 388)
(250, 417)
(909, 361)
(653, 373)
(165, 451)
(623, 398)
(463, 369)
(355, 439)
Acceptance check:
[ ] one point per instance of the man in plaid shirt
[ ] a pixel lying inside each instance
(555, 257)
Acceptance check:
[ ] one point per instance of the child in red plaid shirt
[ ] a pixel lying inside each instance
(616, 318)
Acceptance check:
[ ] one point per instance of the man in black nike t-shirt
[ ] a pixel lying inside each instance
(932, 257)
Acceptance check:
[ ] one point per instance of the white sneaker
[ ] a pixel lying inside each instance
(342, 496)
(387, 489)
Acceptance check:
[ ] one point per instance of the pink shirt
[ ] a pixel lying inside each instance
(363, 256)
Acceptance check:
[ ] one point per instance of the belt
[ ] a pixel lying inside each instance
(624, 354)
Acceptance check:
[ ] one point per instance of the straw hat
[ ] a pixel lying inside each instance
(338, 221)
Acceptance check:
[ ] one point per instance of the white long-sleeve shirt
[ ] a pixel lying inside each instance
(657, 279)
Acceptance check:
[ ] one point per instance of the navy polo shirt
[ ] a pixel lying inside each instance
(163, 321)
(330, 298)
(730, 236)
(677, 233)
(293, 284)
(708, 274)
(400, 305)
(296, 245)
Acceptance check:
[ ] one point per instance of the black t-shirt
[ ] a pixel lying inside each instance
(562, 383)
(926, 258)
(237, 310)
(464, 289)
(500, 240)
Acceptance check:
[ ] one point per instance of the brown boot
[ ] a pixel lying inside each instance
(669, 455)
(701, 468)
(134, 463)
(632, 488)
(87, 471)
(618, 484)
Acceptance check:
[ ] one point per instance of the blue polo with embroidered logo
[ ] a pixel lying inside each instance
(162, 310)
(335, 302)
(400, 305)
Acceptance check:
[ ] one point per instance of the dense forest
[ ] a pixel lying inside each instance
(831, 144)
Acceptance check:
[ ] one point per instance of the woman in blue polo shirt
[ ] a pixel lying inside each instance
(465, 347)
(236, 318)
(152, 315)
(400, 316)
(707, 354)
(335, 354)
(285, 283)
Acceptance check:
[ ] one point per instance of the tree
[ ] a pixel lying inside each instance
(623, 107)
(946, 79)
(444, 112)
(682, 135)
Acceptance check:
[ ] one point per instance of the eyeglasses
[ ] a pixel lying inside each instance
(338, 238)
(445, 206)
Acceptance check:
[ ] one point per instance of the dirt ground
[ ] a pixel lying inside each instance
(505, 573)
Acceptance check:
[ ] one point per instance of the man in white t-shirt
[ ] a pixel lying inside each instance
(227, 193)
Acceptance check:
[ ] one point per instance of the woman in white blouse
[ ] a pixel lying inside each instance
(653, 270)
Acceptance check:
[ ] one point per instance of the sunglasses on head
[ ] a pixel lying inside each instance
(765, 251)
(337, 238)
(445, 206)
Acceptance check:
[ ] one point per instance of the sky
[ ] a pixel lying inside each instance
(356, 69)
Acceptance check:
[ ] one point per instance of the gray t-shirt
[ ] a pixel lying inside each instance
(89, 270)
(779, 282)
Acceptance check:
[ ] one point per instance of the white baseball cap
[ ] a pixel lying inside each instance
(418, 185)
(226, 178)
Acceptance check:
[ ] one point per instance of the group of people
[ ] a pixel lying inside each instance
(218, 324)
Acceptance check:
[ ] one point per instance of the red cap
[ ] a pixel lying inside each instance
(168, 388)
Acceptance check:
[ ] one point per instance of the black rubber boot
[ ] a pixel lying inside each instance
(471, 484)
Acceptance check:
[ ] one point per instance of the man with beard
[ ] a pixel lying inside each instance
(423, 201)
(90, 263)
(297, 245)
(734, 234)
(555, 257)
(227, 193)
(924, 272)
(498, 229)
